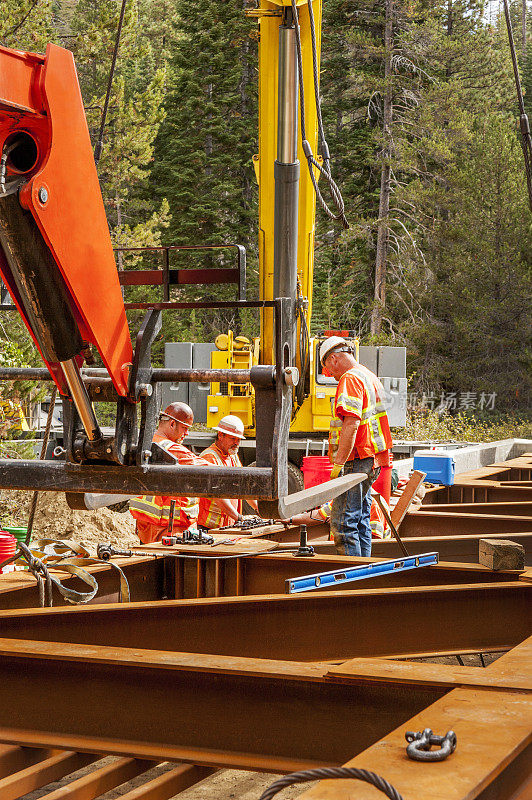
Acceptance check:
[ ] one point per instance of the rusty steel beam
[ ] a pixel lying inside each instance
(267, 575)
(484, 766)
(323, 626)
(462, 548)
(523, 509)
(149, 579)
(211, 710)
(448, 523)
(478, 492)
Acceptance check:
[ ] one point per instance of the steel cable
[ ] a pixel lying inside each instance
(99, 143)
(324, 168)
(326, 773)
(526, 139)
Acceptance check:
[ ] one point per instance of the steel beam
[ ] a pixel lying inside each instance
(449, 523)
(523, 509)
(58, 476)
(148, 578)
(493, 755)
(323, 626)
(268, 574)
(480, 491)
(161, 578)
(244, 713)
(462, 548)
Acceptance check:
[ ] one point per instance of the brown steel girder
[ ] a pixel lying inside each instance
(271, 715)
(372, 622)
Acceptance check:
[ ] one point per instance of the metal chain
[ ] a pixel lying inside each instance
(332, 772)
(324, 168)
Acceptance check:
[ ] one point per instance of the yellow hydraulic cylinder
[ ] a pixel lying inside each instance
(270, 17)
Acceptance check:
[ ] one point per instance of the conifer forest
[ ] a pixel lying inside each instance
(421, 115)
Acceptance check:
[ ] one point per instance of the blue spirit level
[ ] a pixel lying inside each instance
(320, 580)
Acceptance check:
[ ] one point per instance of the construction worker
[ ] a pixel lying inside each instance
(379, 526)
(359, 442)
(153, 512)
(217, 512)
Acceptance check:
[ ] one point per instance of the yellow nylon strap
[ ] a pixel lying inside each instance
(52, 554)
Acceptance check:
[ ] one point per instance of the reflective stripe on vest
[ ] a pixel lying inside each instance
(156, 508)
(210, 513)
(377, 520)
(150, 508)
(371, 413)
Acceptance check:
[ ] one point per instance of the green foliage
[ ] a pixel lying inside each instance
(26, 25)
(458, 263)
(182, 128)
(204, 149)
(15, 400)
(135, 111)
(427, 425)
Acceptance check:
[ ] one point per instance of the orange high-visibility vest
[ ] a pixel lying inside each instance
(210, 514)
(360, 394)
(377, 520)
(155, 509)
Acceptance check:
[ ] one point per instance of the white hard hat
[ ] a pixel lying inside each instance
(331, 344)
(232, 425)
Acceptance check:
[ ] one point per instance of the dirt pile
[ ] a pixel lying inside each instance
(55, 520)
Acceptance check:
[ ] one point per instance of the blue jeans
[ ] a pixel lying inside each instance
(350, 513)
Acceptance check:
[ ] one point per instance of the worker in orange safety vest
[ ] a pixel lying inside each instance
(360, 441)
(379, 526)
(217, 512)
(153, 512)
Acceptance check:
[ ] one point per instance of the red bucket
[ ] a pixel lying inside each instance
(316, 469)
(383, 484)
(8, 547)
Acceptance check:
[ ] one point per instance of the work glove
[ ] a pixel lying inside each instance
(336, 470)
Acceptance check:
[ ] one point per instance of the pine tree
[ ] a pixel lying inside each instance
(135, 113)
(26, 25)
(341, 259)
(205, 146)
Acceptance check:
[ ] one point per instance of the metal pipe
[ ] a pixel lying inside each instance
(100, 377)
(56, 476)
(288, 94)
(81, 399)
(286, 172)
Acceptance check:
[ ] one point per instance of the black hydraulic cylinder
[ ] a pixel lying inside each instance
(37, 282)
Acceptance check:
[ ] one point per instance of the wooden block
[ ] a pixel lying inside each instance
(409, 491)
(501, 554)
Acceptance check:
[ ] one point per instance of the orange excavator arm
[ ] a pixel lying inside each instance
(56, 256)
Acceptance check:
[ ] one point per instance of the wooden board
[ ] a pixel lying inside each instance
(404, 501)
(245, 544)
(500, 554)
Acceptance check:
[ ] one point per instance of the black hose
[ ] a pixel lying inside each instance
(324, 168)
